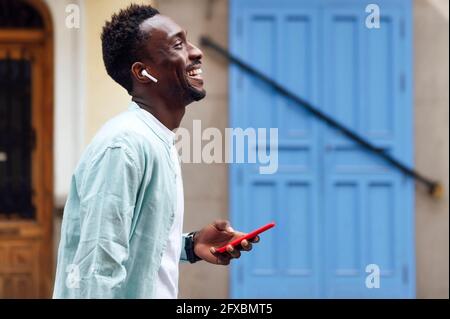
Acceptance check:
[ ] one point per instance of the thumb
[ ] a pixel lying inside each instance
(223, 225)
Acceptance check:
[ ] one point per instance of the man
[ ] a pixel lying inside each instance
(121, 234)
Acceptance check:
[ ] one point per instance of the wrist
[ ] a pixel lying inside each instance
(194, 239)
(191, 241)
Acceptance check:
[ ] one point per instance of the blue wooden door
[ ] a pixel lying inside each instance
(338, 208)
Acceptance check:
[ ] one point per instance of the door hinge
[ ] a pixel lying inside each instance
(402, 29)
(402, 82)
(240, 80)
(405, 274)
(239, 27)
(240, 176)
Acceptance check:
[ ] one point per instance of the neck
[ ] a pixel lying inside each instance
(170, 115)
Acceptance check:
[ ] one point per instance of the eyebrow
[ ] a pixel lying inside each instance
(182, 33)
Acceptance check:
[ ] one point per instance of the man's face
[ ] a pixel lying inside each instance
(175, 62)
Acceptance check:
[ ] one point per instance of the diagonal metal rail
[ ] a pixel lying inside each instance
(434, 188)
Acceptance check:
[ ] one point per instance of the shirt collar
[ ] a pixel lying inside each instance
(158, 128)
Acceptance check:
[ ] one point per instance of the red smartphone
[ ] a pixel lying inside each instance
(251, 235)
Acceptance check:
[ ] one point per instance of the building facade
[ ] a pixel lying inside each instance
(84, 97)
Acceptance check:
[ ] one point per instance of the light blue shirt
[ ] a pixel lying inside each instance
(119, 212)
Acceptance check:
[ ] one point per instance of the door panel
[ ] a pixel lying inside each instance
(26, 264)
(275, 197)
(363, 218)
(338, 208)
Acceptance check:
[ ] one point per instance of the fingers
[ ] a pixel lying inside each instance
(224, 258)
(246, 245)
(255, 239)
(235, 253)
(223, 225)
(221, 259)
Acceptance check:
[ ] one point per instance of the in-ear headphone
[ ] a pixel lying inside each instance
(146, 74)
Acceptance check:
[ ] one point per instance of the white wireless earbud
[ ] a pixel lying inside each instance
(145, 73)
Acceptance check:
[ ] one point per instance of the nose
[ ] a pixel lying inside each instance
(194, 53)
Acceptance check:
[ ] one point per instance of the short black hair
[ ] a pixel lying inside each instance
(122, 40)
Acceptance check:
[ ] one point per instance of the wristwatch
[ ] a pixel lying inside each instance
(189, 248)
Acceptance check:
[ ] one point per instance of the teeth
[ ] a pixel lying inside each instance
(195, 72)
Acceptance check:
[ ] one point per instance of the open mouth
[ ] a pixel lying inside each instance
(195, 74)
(194, 81)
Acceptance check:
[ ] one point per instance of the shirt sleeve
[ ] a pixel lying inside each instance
(108, 193)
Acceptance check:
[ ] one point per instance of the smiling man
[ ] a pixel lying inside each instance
(121, 234)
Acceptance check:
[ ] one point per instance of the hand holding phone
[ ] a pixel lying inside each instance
(250, 235)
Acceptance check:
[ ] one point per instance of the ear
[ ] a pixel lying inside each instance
(136, 71)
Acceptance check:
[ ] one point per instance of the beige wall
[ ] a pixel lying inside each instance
(205, 185)
(68, 97)
(431, 146)
(431, 133)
